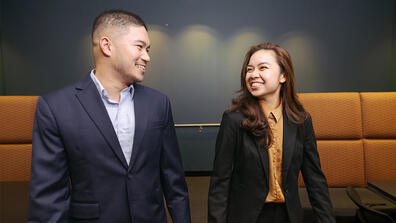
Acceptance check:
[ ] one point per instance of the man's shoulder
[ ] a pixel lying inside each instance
(60, 93)
(148, 91)
(68, 91)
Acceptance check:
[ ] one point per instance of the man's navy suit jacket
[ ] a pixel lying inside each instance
(79, 173)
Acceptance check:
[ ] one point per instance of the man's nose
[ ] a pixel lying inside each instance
(146, 56)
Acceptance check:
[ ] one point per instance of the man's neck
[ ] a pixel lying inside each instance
(111, 83)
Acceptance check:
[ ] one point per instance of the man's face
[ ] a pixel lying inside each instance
(130, 56)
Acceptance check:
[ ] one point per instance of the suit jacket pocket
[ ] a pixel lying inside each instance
(84, 210)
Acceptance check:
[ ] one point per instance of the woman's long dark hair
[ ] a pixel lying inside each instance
(255, 121)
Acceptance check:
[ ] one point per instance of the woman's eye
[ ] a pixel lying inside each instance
(249, 69)
(139, 46)
(262, 68)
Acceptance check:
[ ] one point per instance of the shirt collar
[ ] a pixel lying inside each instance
(102, 90)
(276, 113)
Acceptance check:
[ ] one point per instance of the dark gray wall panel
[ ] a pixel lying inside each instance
(393, 63)
(197, 147)
(198, 46)
(2, 82)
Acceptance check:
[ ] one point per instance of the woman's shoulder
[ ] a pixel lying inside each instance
(235, 117)
(307, 124)
(308, 117)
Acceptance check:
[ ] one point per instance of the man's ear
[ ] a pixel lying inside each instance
(282, 78)
(105, 45)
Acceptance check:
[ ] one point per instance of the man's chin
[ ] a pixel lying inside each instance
(134, 79)
(139, 79)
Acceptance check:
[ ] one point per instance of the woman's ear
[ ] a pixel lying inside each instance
(282, 78)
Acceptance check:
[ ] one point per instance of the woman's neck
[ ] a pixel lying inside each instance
(270, 103)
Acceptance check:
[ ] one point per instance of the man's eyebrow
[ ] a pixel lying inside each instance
(142, 42)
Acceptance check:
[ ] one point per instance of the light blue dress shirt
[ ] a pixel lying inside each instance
(122, 115)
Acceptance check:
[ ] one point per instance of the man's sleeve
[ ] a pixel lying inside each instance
(49, 179)
(172, 173)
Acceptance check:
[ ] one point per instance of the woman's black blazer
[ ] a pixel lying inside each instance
(239, 182)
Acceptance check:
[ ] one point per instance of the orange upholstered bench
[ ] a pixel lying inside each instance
(17, 114)
(356, 137)
(16, 124)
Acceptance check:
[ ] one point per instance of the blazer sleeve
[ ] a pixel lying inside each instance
(49, 180)
(314, 178)
(172, 173)
(220, 181)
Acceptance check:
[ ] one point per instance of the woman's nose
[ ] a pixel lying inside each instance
(255, 74)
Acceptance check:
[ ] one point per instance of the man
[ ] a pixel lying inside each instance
(105, 149)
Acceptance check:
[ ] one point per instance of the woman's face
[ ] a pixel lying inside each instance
(263, 75)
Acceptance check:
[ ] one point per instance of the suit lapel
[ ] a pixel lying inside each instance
(289, 141)
(263, 158)
(93, 105)
(141, 117)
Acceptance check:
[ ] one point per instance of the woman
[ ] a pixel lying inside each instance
(265, 139)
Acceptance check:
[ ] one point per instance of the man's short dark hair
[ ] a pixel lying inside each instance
(116, 18)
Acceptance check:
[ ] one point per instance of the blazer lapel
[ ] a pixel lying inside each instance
(93, 105)
(289, 141)
(141, 108)
(263, 152)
